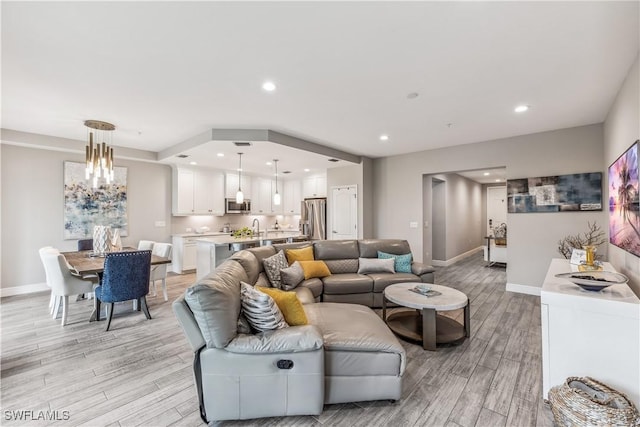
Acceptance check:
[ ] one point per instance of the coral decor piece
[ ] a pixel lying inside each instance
(593, 237)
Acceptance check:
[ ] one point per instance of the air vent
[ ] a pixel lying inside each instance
(334, 160)
(242, 144)
(182, 156)
(286, 172)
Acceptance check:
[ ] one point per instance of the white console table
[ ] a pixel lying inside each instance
(584, 333)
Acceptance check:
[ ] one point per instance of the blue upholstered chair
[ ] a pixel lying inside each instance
(85, 244)
(126, 277)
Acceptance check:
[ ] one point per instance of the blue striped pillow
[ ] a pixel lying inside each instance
(402, 263)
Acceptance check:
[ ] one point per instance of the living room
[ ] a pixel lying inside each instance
(547, 142)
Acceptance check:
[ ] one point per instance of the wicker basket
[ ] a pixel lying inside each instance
(583, 401)
(501, 241)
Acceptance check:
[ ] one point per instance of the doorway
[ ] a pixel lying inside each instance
(496, 208)
(439, 219)
(344, 212)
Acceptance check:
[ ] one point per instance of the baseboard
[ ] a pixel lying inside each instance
(440, 263)
(523, 289)
(26, 289)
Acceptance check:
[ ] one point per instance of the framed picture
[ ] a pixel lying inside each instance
(560, 193)
(624, 224)
(85, 206)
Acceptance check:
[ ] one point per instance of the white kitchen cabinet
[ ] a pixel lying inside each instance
(231, 185)
(198, 192)
(184, 254)
(314, 186)
(292, 197)
(261, 196)
(584, 333)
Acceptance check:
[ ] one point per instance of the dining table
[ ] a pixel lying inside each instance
(87, 262)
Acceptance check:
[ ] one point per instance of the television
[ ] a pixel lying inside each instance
(624, 202)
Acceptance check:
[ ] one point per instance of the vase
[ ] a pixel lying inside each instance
(590, 263)
(101, 241)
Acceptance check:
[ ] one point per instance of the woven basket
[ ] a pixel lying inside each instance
(501, 241)
(583, 401)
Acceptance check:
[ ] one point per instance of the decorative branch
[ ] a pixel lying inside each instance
(594, 236)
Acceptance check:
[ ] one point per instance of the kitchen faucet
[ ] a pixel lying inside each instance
(255, 220)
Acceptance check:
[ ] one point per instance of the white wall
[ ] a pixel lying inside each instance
(532, 237)
(32, 208)
(621, 129)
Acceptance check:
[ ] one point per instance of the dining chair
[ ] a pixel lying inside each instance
(145, 245)
(125, 277)
(63, 282)
(159, 271)
(54, 301)
(85, 244)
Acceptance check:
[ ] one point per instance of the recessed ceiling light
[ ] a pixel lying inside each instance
(307, 170)
(498, 180)
(384, 137)
(268, 163)
(220, 154)
(193, 163)
(269, 86)
(521, 108)
(486, 174)
(413, 95)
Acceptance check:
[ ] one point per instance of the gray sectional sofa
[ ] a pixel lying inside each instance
(345, 353)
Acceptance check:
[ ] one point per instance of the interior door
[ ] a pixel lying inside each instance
(344, 213)
(496, 207)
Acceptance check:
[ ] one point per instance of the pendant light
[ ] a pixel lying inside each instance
(276, 196)
(99, 156)
(239, 195)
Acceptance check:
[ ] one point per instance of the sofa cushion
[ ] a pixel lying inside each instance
(292, 276)
(215, 303)
(313, 269)
(375, 265)
(348, 283)
(272, 267)
(249, 262)
(382, 280)
(261, 310)
(337, 266)
(369, 247)
(402, 263)
(314, 285)
(336, 249)
(262, 252)
(288, 304)
(296, 245)
(301, 254)
(262, 280)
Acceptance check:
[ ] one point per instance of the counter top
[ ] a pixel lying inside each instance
(225, 240)
(208, 233)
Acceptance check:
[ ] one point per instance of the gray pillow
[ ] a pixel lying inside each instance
(272, 267)
(375, 265)
(292, 276)
(261, 310)
(243, 325)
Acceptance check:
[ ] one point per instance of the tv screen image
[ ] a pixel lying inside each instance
(624, 202)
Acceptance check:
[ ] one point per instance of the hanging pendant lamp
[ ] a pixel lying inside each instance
(276, 196)
(99, 156)
(239, 194)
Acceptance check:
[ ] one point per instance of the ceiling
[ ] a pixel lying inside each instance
(163, 72)
(486, 176)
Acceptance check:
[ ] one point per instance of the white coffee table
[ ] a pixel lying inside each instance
(424, 323)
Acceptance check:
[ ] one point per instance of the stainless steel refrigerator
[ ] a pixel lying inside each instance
(313, 219)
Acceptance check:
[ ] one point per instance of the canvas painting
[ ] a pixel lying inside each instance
(85, 206)
(561, 193)
(624, 224)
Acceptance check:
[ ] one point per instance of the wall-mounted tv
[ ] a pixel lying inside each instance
(624, 203)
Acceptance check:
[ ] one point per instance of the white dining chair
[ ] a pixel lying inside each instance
(63, 282)
(145, 245)
(54, 301)
(159, 272)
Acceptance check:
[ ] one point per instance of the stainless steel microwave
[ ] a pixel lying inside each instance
(231, 206)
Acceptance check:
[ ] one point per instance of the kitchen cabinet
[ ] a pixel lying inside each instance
(198, 192)
(292, 197)
(231, 186)
(261, 196)
(184, 254)
(314, 186)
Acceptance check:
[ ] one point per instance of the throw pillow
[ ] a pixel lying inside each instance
(272, 267)
(292, 276)
(301, 254)
(260, 310)
(243, 324)
(375, 265)
(314, 269)
(402, 262)
(289, 305)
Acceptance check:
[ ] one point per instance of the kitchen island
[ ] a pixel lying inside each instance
(212, 251)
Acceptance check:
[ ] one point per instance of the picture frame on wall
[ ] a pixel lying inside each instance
(624, 201)
(85, 207)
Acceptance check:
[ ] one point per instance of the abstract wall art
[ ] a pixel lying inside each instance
(85, 206)
(624, 204)
(560, 193)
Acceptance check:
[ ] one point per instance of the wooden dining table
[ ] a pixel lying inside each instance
(85, 262)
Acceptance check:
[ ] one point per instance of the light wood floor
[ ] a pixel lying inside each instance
(139, 373)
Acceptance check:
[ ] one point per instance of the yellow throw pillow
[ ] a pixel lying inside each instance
(302, 254)
(289, 305)
(314, 269)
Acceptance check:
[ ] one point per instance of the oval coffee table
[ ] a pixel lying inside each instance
(424, 323)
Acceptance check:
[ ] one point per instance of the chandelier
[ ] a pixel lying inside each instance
(98, 155)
